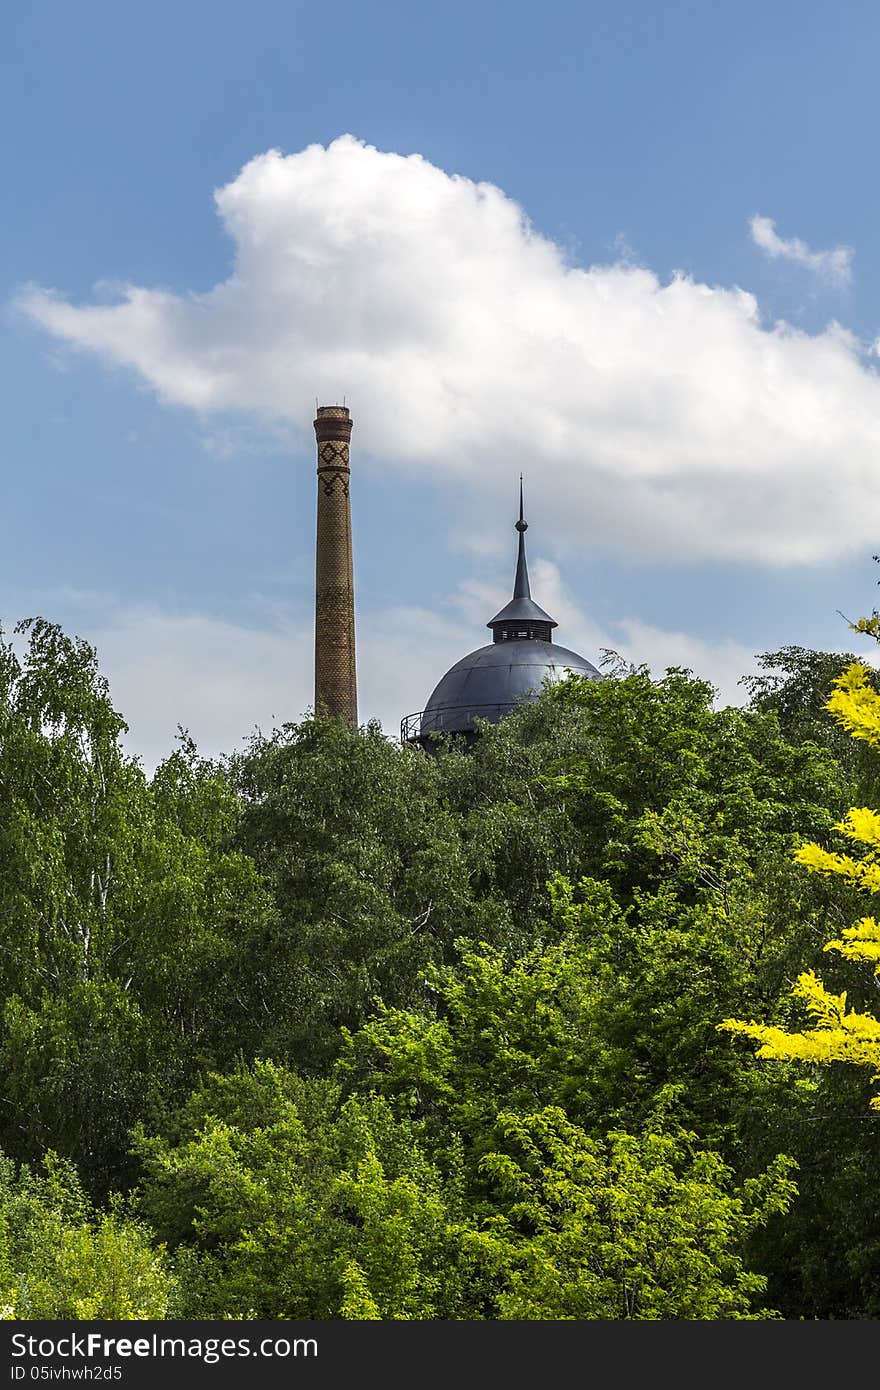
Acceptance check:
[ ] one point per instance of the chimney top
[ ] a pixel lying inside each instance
(333, 422)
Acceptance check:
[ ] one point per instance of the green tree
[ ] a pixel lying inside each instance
(795, 684)
(632, 1227)
(832, 1032)
(123, 913)
(62, 1258)
(293, 1201)
(838, 1033)
(380, 858)
(371, 871)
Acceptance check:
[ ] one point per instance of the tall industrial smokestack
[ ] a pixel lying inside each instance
(335, 671)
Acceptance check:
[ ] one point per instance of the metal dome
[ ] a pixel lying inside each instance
(490, 682)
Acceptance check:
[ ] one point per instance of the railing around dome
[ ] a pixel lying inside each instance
(414, 727)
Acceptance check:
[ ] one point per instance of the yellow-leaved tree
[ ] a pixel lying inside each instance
(839, 1034)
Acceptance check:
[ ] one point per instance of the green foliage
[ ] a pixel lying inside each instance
(457, 1013)
(358, 1304)
(371, 872)
(634, 1227)
(60, 1258)
(299, 1204)
(610, 1015)
(123, 913)
(77, 1070)
(302, 1204)
(379, 858)
(826, 1032)
(795, 685)
(662, 776)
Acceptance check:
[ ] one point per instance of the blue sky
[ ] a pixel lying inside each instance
(700, 481)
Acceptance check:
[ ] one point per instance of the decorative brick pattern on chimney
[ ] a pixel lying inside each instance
(335, 669)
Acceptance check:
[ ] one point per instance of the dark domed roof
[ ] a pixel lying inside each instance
(488, 683)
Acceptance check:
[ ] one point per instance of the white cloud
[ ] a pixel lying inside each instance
(665, 418)
(835, 265)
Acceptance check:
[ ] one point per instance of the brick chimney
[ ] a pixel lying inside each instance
(335, 670)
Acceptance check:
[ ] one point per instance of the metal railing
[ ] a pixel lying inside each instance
(414, 727)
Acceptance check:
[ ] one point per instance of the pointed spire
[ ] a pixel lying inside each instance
(521, 583)
(521, 617)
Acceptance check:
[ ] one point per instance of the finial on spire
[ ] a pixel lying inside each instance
(521, 525)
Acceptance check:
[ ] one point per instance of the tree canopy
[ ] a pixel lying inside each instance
(331, 1028)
